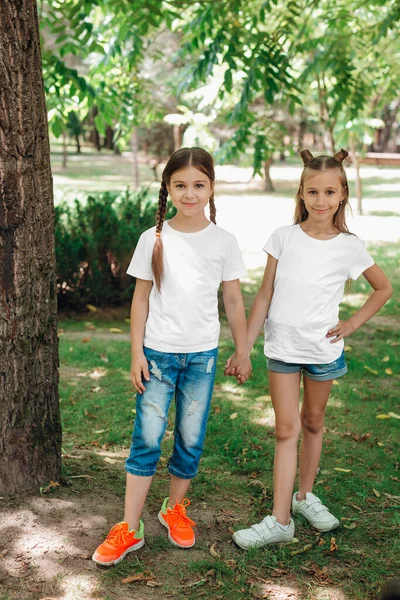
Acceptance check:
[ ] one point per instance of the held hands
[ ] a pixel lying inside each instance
(238, 366)
(139, 371)
(340, 331)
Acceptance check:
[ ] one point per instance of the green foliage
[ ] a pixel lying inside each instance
(94, 244)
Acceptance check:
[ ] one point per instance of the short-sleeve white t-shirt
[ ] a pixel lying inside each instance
(308, 288)
(183, 317)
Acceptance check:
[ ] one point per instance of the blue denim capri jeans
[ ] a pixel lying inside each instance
(190, 377)
(324, 372)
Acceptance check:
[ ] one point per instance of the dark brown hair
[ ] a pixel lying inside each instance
(180, 159)
(323, 163)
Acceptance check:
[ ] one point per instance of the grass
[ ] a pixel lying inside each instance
(359, 477)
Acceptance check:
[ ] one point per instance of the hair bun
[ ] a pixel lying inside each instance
(341, 155)
(306, 156)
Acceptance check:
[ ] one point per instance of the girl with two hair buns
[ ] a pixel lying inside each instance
(307, 267)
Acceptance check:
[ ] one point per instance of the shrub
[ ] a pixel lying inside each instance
(95, 240)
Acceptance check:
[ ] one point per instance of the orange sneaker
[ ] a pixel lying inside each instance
(118, 543)
(180, 532)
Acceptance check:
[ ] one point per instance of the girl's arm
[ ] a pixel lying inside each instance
(139, 312)
(261, 304)
(240, 364)
(381, 294)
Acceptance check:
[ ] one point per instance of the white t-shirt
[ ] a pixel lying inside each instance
(308, 289)
(184, 316)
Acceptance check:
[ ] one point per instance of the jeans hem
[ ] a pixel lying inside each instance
(140, 473)
(181, 475)
(326, 376)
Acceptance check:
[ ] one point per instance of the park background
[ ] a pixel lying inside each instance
(127, 83)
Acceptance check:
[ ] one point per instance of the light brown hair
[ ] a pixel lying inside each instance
(180, 159)
(323, 163)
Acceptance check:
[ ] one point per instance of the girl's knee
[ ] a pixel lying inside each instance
(312, 422)
(288, 430)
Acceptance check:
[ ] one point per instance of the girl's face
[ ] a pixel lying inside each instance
(190, 190)
(322, 193)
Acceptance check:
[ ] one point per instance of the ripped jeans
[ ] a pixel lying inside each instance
(191, 378)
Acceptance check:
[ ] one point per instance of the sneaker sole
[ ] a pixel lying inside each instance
(173, 542)
(118, 560)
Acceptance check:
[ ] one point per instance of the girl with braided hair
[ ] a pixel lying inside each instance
(307, 267)
(179, 265)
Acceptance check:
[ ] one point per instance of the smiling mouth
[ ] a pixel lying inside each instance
(320, 209)
(189, 203)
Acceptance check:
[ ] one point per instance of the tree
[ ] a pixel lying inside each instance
(30, 430)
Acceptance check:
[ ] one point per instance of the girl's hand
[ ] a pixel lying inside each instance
(340, 331)
(239, 367)
(139, 371)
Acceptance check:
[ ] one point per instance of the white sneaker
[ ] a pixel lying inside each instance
(264, 533)
(315, 512)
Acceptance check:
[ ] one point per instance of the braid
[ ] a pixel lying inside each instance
(157, 262)
(213, 210)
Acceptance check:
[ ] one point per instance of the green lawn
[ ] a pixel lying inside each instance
(359, 477)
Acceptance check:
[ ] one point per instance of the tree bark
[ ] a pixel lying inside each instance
(135, 163)
(268, 186)
(358, 175)
(30, 430)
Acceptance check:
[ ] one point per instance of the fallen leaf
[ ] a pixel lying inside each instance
(110, 461)
(213, 551)
(85, 340)
(102, 430)
(90, 326)
(377, 494)
(342, 470)
(89, 415)
(383, 416)
(348, 348)
(49, 487)
(217, 410)
(115, 330)
(233, 416)
(127, 320)
(334, 382)
(394, 415)
(97, 373)
(370, 370)
(333, 546)
(91, 307)
(385, 359)
(104, 358)
(388, 371)
(153, 584)
(380, 444)
(138, 577)
(349, 525)
(96, 389)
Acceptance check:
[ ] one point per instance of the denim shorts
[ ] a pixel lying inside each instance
(190, 377)
(325, 372)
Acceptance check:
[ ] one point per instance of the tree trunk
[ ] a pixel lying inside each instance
(78, 144)
(135, 164)
(358, 176)
(65, 150)
(30, 430)
(269, 186)
(177, 137)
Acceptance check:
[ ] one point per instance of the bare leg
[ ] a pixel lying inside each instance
(316, 394)
(177, 491)
(285, 392)
(136, 491)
